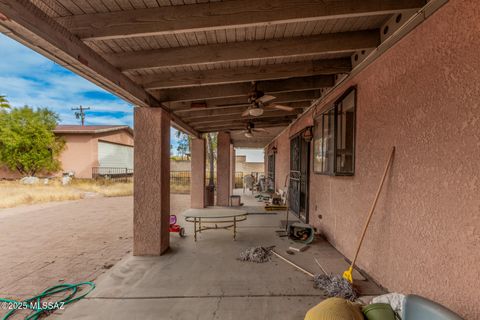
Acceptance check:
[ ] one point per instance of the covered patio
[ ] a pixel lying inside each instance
(205, 279)
(205, 67)
(327, 88)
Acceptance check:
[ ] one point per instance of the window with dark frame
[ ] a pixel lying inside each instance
(334, 140)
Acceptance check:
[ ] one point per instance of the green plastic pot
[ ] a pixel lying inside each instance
(378, 311)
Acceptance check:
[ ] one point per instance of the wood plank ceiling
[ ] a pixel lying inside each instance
(201, 60)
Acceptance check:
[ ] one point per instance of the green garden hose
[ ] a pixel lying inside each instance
(40, 307)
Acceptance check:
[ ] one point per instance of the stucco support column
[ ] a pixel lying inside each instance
(232, 168)
(197, 187)
(151, 198)
(223, 169)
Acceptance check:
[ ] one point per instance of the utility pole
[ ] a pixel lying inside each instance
(80, 114)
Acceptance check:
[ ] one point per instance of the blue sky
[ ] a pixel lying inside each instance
(28, 78)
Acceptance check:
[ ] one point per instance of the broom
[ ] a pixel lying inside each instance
(347, 275)
(337, 286)
(333, 286)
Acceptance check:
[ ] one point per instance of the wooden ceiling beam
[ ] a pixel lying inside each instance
(243, 122)
(212, 113)
(244, 88)
(241, 126)
(343, 42)
(183, 107)
(257, 120)
(232, 117)
(32, 27)
(234, 75)
(220, 15)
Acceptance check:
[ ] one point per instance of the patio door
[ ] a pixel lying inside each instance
(299, 173)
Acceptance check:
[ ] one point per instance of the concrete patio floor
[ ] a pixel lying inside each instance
(71, 241)
(204, 279)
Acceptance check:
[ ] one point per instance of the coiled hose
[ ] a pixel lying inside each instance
(38, 304)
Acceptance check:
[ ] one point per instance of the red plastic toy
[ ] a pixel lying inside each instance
(174, 227)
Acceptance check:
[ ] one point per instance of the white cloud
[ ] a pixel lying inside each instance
(27, 78)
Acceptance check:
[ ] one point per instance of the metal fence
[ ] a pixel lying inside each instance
(112, 173)
(179, 180)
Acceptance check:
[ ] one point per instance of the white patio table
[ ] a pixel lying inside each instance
(215, 216)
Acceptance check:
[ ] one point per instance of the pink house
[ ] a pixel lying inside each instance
(91, 147)
(327, 88)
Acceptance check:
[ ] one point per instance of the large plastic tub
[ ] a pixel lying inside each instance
(301, 232)
(378, 311)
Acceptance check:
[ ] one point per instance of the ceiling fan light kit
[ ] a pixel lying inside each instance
(255, 112)
(258, 100)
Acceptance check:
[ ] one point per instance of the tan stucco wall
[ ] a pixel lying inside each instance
(241, 165)
(282, 160)
(180, 165)
(151, 198)
(119, 137)
(80, 154)
(423, 96)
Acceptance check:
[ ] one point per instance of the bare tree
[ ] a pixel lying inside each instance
(212, 155)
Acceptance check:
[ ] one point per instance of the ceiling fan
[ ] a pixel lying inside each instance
(257, 100)
(250, 130)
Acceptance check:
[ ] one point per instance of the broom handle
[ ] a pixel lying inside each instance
(293, 264)
(372, 209)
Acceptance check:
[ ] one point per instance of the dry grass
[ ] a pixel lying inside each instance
(13, 193)
(179, 188)
(104, 187)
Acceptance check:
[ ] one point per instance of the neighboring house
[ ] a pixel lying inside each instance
(241, 165)
(88, 147)
(247, 167)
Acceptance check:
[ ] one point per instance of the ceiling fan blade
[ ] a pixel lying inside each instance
(265, 98)
(246, 113)
(282, 107)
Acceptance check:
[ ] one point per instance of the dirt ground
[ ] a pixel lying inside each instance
(46, 244)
